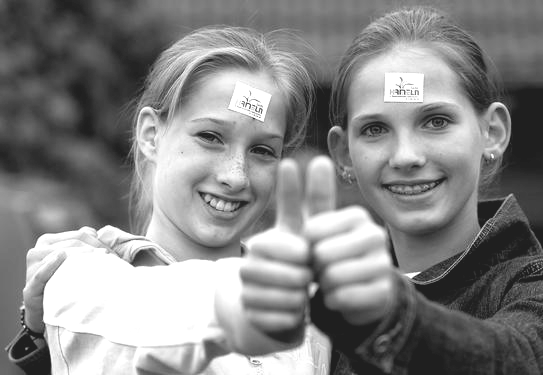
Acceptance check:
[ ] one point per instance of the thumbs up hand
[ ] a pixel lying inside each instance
(351, 261)
(343, 250)
(276, 272)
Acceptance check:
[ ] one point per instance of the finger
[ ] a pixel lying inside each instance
(362, 303)
(329, 224)
(320, 186)
(270, 273)
(34, 288)
(360, 296)
(90, 231)
(85, 234)
(275, 321)
(280, 246)
(294, 300)
(46, 269)
(47, 256)
(349, 245)
(352, 271)
(289, 197)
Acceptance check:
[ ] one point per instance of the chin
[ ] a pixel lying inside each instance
(420, 226)
(220, 237)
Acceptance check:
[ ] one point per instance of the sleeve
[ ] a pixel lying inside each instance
(30, 355)
(421, 336)
(162, 319)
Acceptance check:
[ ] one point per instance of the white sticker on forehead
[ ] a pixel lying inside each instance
(250, 101)
(404, 87)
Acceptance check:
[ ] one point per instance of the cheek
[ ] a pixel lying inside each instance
(365, 160)
(263, 181)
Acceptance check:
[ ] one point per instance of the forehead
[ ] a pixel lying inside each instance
(212, 96)
(368, 82)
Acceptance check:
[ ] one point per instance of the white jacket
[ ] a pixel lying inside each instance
(105, 316)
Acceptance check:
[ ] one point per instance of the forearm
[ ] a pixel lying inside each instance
(166, 314)
(451, 342)
(420, 336)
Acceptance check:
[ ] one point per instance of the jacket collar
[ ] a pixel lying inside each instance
(505, 234)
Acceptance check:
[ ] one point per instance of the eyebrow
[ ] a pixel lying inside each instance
(438, 105)
(422, 109)
(227, 123)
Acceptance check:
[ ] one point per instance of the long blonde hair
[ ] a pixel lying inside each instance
(180, 68)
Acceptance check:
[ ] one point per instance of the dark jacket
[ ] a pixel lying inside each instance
(479, 312)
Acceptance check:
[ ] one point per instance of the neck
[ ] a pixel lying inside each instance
(183, 247)
(418, 252)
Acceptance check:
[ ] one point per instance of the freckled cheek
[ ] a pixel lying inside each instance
(263, 180)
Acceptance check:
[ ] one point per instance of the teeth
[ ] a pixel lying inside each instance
(221, 205)
(411, 189)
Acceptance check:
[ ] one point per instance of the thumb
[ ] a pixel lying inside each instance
(320, 186)
(289, 197)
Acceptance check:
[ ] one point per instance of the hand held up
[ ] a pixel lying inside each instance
(41, 263)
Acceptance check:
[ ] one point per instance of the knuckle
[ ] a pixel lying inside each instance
(331, 301)
(326, 280)
(358, 213)
(298, 299)
(44, 239)
(304, 277)
(246, 271)
(30, 255)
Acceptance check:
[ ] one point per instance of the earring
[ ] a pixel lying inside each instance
(490, 158)
(346, 176)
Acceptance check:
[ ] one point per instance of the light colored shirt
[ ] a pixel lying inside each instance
(105, 316)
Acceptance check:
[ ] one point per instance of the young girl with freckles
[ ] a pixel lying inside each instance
(219, 109)
(418, 124)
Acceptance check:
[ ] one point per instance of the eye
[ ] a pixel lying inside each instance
(209, 137)
(264, 151)
(373, 130)
(437, 123)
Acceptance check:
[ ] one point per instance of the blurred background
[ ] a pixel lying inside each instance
(69, 70)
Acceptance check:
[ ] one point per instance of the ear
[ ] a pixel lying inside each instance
(497, 130)
(338, 146)
(147, 132)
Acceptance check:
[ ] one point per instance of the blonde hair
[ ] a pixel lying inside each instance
(181, 68)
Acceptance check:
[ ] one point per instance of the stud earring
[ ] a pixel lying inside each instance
(346, 176)
(490, 158)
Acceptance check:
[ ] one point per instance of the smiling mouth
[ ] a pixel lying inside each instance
(221, 204)
(414, 189)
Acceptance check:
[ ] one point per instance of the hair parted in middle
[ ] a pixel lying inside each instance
(184, 65)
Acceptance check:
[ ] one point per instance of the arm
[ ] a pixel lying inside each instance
(421, 336)
(159, 319)
(28, 350)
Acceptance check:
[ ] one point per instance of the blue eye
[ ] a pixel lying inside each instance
(210, 137)
(373, 130)
(437, 123)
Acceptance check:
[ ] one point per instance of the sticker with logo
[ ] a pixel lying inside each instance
(404, 87)
(250, 101)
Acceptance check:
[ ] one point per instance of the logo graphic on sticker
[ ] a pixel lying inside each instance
(250, 101)
(404, 87)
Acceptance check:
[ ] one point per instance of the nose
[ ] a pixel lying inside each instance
(407, 153)
(233, 172)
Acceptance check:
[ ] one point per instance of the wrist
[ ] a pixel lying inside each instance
(34, 332)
